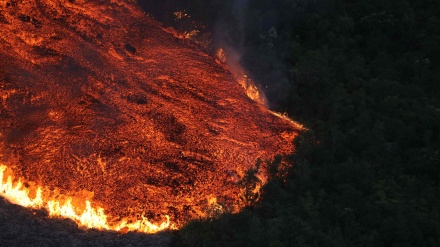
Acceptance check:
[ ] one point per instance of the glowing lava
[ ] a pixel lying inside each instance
(101, 108)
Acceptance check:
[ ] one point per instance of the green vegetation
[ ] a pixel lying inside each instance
(364, 77)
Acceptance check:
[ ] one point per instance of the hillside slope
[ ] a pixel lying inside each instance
(99, 102)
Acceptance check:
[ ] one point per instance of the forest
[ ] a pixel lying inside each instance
(363, 77)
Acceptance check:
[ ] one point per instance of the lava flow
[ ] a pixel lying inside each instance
(110, 120)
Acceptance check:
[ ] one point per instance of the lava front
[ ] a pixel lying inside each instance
(110, 120)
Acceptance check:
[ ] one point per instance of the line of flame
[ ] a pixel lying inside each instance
(286, 117)
(89, 218)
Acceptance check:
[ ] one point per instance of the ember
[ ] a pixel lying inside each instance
(113, 122)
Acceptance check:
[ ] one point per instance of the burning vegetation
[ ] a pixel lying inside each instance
(110, 120)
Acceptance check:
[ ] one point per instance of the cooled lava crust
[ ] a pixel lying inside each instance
(96, 96)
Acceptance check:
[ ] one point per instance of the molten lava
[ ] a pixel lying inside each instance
(110, 120)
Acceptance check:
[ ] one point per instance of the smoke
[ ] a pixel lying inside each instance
(252, 48)
(229, 41)
(229, 27)
(247, 37)
(239, 10)
(243, 32)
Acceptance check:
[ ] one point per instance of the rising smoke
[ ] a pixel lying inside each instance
(249, 48)
(245, 30)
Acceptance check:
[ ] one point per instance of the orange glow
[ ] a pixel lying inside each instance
(113, 121)
(90, 217)
(286, 117)
(251, 89)
(231, 61)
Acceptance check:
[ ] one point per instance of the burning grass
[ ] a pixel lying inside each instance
(63, 206)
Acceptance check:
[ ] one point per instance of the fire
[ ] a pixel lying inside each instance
(181, 15)
(231, 60)
(286, 117)
(251, 89)
(106, 116)
(90, 217)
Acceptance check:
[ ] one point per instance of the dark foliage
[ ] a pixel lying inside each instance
(363, 77)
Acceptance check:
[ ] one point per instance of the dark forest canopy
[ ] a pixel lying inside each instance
(363, 77)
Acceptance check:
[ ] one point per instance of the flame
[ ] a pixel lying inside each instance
(212, 200)
(162, 129)
(286, 117)
(251, 89)
(90, 218)
(230, 59)
(181, 15)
